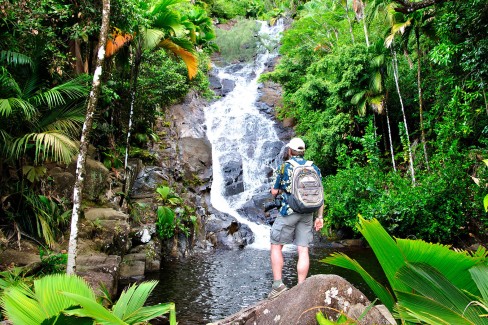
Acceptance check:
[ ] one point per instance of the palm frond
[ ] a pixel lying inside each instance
(15, 58)
(183, 49)
(52, 144)
(64, 119)
(117, 40)
(429, 283)
(56, 96)
(342, 260)
(151, 37)
(453, 265)
(147, 313)
(92, 309)
(389, 255)
(21, 309)
(479, 274)
(132, 299)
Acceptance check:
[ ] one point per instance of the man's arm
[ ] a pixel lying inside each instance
(319, 221)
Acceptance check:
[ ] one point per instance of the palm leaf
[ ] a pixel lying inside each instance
(387, 252)
(20, 309)
(91, 308)
(45, 302)
(15, 58)
(50, 144)
(64, 119)
(57, 96)
(428, 310)
(188, 57)
(430, 283)
(150, 312)
(342, 260)
(479, 274)
(453, 265)
(132, 299)
(151, 37)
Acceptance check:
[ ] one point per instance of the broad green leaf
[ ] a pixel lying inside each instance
(92, 309)
(150, 312)
(426, 281)
(21, 309)
(485, 203)
(429, 311)
(452, 264)
(479, 274)
(387, 252)
(132, 299)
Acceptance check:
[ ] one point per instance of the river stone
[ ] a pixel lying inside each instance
(233, 182)
(328, 293)
(227, 86)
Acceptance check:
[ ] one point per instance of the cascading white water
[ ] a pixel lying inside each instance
(238, 131)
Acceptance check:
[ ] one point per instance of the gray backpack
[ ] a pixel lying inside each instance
(307, 192)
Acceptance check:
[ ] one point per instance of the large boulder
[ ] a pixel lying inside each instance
(331, 294)
(96, 179)
(108, 228)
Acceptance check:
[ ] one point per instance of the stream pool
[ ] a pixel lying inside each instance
(209, 287)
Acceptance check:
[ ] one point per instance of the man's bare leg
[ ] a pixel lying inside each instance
(303, 263)
(277, 261)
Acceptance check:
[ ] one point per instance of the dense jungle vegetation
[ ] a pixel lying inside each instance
(389, 95)
(391, 100)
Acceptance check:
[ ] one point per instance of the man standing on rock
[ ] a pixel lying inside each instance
(291, 227)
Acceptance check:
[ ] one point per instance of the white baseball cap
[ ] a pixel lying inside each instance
(296, 144)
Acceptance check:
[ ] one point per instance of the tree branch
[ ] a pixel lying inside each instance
(407, 6)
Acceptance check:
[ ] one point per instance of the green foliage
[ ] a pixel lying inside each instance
(69, 299)
(240, 42)
(52, 262)
(431, 283)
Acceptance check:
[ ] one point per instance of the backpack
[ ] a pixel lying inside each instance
(307, 192)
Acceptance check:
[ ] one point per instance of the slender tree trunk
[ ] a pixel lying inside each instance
(486, 103)
(134, 75)
(395, 74)
(391, 141)
(365, 28)
(421, 104)
(349, 21)
(80, 165)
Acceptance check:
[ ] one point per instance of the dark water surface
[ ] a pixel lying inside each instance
(210, 287)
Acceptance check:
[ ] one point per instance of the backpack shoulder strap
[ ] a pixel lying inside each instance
(293, 162)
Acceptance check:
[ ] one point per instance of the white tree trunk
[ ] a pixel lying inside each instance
(87, 126)
(391, 141)
(395, 74)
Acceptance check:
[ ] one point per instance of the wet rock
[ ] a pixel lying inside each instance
(99, 269)
(224, 231)
(330, 294)
(146, 182)
(108, 228)
(227, 86)
(233, 174)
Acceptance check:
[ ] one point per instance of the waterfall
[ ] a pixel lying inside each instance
(241, 136)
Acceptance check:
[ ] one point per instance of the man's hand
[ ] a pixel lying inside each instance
(319, 223)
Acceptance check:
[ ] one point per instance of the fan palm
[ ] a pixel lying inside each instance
(414, 267)
(68, 299)
(38, 122)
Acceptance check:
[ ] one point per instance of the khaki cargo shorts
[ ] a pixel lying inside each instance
(292, 229)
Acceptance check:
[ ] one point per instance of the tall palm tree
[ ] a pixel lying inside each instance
(164, 29)
(406, 25)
